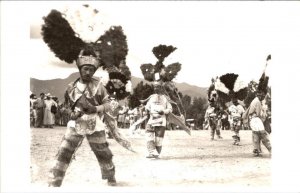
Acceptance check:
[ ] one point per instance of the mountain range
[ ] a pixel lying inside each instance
(58, 86)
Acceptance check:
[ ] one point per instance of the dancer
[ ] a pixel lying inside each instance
(235, 115)
(87, 97)
(158, 107)
(256, 114)
(212, 119)
(230, 88)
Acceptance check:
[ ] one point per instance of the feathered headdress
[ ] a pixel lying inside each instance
(264, 80)
(230, 86)
(211, 92)
(159, 71)
(72, 33)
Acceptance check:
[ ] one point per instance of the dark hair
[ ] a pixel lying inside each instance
(42, 94)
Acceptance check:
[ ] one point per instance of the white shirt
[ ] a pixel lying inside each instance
(156, 104)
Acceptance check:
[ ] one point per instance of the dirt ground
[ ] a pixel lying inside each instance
(186, 161)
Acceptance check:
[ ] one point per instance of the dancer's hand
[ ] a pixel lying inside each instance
(90, 109)
(75, 115)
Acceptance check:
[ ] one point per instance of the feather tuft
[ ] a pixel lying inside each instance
(169, 73)
(211, 88)
(263, 83)
(163, 51)
(148, 72)
(114, 47)
(60, 37)
(228, 80)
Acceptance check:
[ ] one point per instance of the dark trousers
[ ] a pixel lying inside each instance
(214, 125)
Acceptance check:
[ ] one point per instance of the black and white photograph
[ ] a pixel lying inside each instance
(150, 96)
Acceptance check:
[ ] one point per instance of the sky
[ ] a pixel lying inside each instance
(212, 38)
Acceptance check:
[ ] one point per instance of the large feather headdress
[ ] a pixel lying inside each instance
(159, 71)
(229, 86)
(72, 32)
(164, 74)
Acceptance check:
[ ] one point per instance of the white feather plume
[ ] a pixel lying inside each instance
(239, 84)
(128, 87)
(221, 86)
(85, 21)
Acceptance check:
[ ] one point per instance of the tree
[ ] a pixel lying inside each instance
(252, 86)
(140, 92)
(186, 101)
(196, 110)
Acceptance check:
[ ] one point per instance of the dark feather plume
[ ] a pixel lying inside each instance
(114, 73)
(171, 71)
(224, 98)
(148, 71)
(162, 51)
(114, 47)
(263, 83)
(60, 37)
(210, 89)
(229, 80)
(241, 94)
(124, 69)
(119, 92)
(119, 76)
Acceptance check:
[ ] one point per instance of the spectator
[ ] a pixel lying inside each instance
(32, 110)
(49, 118)
(39, 105)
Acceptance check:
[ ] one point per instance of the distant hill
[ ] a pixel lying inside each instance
(57, 87)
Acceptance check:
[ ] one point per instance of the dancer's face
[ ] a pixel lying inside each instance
(86, 73)
(261, 96)
(157, 89)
